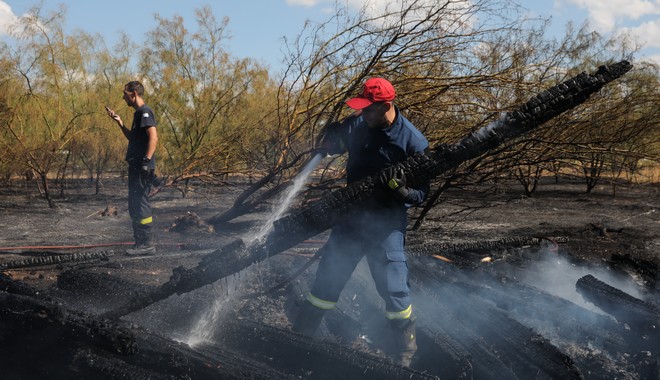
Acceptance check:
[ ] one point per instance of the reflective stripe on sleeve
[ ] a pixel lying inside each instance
(147, 220)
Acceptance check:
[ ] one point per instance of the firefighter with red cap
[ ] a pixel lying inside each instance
(376, 136)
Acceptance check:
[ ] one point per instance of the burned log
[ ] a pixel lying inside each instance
(67, 344)
(50, 258)
(504, 347)
(480, 245)
(18, 310)
(306, 357)
(639, 315)
(553, 315)
(326, 212)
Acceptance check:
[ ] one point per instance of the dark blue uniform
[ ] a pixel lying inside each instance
(139, 182)
(379, 231)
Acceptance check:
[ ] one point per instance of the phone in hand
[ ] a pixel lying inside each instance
(110, 112)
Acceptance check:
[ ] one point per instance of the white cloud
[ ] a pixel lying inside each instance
(372, 7)
(608, 15)
(648, 33)
(639, 19)
(304, 3)
(7, 17)
(653, 58)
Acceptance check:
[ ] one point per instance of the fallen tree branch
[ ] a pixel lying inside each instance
(56, 258)
(30, 312)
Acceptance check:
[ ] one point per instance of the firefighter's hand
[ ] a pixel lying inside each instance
(145, 165)
(396, 182)
(113, 115)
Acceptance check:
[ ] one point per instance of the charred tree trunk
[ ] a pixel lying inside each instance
(639, 315)
(340, 204)
(496, 345)
(51, 258)
(304, 355)
(66, 344)
(34, 314)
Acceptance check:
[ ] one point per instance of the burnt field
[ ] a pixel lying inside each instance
(560, 285)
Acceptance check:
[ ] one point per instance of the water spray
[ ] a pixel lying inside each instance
(285, 200)
(205, 327)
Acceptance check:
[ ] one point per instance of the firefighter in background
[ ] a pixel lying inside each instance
(376, 137)
(142, 140)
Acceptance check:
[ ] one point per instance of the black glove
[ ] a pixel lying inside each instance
(395, 180)
(145, 165)
(331, 139)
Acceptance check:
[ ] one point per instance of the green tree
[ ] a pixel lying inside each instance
(53, 104)
(210, 106)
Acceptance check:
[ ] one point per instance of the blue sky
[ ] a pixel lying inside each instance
(257, 27)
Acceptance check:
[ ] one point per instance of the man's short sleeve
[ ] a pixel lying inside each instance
(147, 118)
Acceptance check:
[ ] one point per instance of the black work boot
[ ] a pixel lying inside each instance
(136, 234)
(404, 340)
(143, 244)
(308, 319)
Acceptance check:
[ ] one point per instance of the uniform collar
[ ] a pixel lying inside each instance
(396, 124)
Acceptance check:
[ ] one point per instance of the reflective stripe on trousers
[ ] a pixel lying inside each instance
(321, 304)
(404, 314)
(387, 263)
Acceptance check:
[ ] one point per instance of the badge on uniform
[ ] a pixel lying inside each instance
(146, 114)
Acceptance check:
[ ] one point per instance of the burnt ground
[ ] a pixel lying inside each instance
(487, 307)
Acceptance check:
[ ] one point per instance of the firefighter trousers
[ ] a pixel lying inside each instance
(139, 208)
(383, 247)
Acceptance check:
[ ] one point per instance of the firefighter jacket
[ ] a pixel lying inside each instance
(370, 150)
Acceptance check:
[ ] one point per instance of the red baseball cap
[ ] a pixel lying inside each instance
(375, 90)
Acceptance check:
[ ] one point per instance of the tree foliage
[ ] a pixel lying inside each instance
(457, 65)
(210, 105)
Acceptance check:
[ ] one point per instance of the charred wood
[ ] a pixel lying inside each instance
(639, 315)
(481, 245)
(439, 354)
(457, 252)
(162, 356)
(69, 344)
(321, 215)
(555, 316)
(7, 284)
(499, 342)
(93, 288)
(647, 269)
(89, 363)
(227, 260)
(25, 315)
(310, 358)
(56, 258)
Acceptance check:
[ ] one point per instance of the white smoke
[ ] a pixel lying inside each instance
(555, 275)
